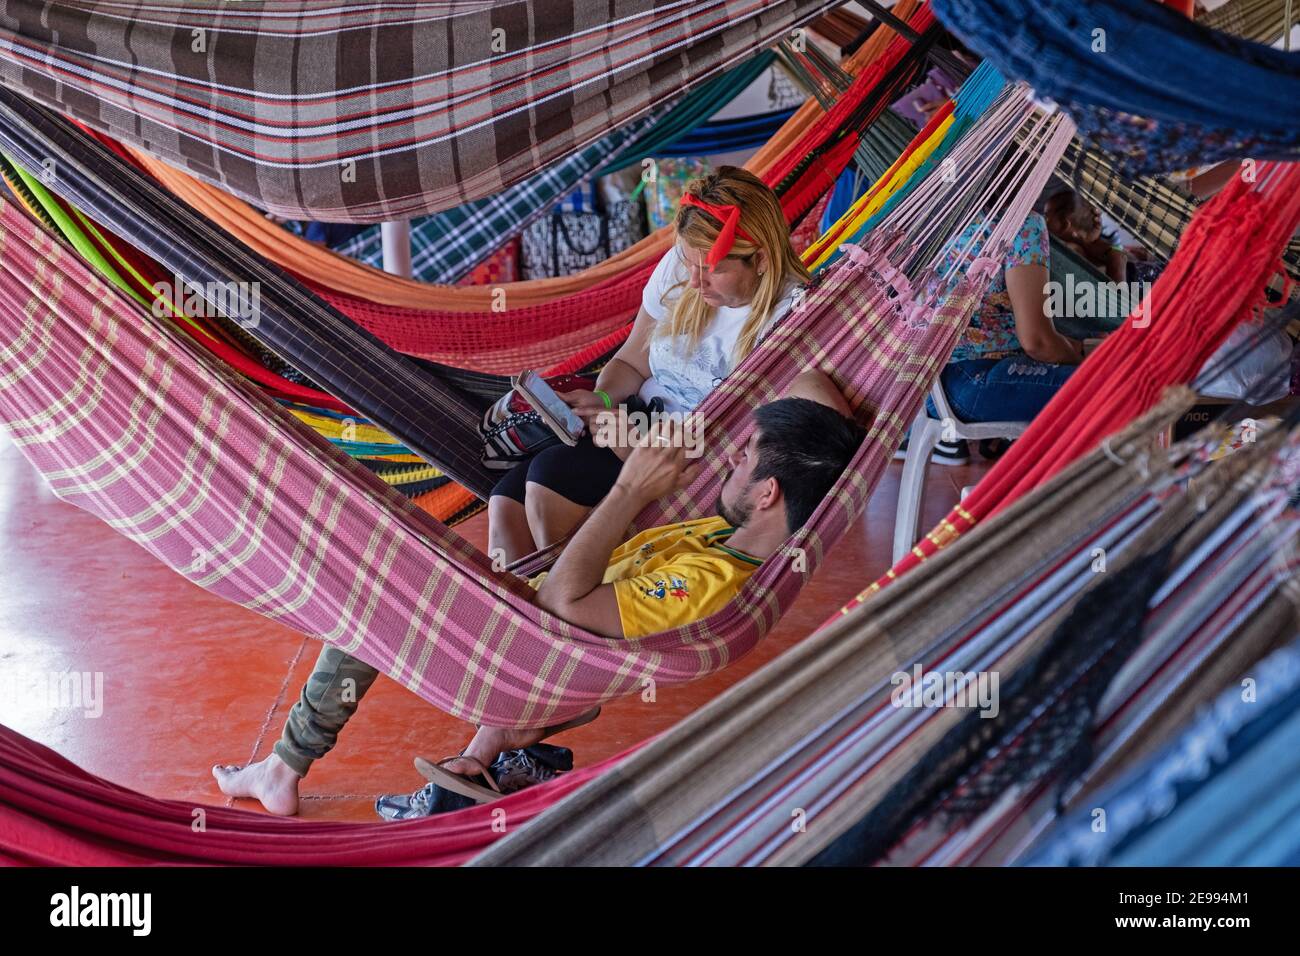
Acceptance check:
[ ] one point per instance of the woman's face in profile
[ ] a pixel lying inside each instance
(731, 284)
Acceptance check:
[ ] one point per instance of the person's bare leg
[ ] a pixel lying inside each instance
(508, 533)
(550, 516)
(269, 781)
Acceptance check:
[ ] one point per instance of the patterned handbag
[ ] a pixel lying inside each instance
(565, 242)
(512, 432)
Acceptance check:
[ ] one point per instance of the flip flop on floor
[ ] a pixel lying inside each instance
(465, 786)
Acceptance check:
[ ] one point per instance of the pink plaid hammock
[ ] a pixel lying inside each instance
(124, 418)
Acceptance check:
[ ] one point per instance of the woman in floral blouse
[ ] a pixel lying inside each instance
(1011, 360)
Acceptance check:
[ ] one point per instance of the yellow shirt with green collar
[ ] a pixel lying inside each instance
(673, 575)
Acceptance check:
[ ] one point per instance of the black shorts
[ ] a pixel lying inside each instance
(583, 473)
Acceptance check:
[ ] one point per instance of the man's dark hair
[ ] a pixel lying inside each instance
(805, 446)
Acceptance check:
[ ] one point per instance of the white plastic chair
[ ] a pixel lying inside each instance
(926, 433)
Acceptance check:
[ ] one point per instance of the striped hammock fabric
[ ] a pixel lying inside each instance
(365, 112)
(139, 276)
(325, 531)
(447, 245)
(495, 340)
(546, 321)
(288, 526)
(815, 738)
(793, 736)
(1262, 20)
(53, 813)
(125, 418)
(1225, 599)
(418, 405)
(318, 265)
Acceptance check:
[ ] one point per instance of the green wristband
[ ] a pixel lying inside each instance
(604, 397)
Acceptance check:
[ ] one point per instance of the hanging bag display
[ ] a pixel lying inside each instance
(569, 239)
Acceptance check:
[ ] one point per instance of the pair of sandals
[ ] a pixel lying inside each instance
(558, 759)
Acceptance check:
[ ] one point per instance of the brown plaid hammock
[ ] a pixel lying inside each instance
(363, 112)
(127, 419)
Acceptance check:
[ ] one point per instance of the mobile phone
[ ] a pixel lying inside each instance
(559, 416)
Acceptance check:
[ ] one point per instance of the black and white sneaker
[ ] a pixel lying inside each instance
(516, 769)
(945, 452)
(425, 802)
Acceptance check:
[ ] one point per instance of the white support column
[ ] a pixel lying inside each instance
(396, 238)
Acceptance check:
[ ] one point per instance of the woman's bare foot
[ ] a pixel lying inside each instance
(269, 781)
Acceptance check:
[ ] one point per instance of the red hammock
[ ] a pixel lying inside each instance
(56, 814)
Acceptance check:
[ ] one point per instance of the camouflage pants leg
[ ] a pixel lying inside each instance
(330, 696)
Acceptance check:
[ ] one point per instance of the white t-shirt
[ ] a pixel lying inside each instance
(683, 378)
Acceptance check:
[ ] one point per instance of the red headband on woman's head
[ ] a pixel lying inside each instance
(729, 216)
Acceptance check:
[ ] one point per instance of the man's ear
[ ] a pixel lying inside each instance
(767, 494)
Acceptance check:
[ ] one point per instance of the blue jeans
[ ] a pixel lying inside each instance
(1012, 389)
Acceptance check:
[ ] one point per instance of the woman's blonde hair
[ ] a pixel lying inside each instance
(762, 218)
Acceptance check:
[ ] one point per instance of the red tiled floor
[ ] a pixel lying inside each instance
(190, 680)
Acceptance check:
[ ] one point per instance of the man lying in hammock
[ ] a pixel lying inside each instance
(661, 579)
